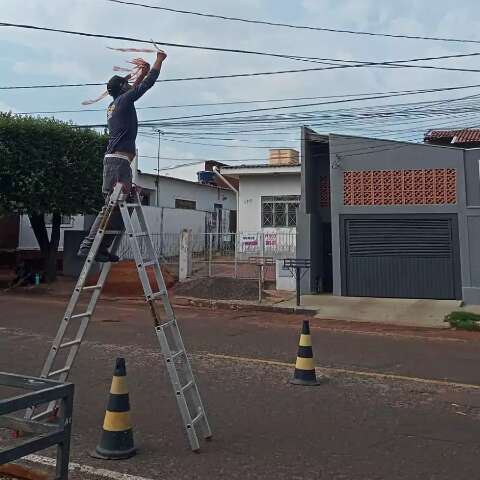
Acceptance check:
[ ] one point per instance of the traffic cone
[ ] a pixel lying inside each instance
(305, 366)
(116, 442)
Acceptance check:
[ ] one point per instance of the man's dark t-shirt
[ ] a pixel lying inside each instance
(122, 116)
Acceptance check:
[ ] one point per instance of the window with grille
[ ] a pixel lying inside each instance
(186, 204)
(280, 211)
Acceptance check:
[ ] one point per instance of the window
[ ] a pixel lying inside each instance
(280, 211)
(66, 221)
(186, 204)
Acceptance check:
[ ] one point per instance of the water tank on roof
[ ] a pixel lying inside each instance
(206, 177)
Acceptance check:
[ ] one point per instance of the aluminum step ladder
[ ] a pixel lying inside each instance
(77, 316)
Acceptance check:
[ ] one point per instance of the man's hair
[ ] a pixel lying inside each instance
(115, 85)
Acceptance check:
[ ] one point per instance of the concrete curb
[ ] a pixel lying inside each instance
(238, 305)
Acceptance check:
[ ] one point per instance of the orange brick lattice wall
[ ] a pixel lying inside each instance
(400, 187)
(324, 191)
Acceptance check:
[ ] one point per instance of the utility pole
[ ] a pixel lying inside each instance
(157, 180)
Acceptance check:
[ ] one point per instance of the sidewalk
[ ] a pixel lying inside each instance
(389, 311)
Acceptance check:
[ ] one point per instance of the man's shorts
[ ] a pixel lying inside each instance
(116, 169)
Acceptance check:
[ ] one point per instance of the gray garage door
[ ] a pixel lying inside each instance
(407, 257)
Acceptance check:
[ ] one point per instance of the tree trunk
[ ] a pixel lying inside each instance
(51, 260)
(48, 247)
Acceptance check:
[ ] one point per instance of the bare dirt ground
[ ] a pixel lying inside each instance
(218, 289)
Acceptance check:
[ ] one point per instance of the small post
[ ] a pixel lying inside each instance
(184, 258)
(235, 253)
(297, 281)
(210, 254)
(63, 448)
(260, 275)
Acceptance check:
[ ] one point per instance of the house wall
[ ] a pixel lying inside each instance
(170, 189)
(252, 188)
(26, 237)
(166, 219)
(360, 154)
(356, 154)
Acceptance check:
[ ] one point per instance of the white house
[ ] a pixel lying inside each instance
(269, 195)
(179, 204)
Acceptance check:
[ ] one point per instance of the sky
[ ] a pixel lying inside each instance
(36, 58)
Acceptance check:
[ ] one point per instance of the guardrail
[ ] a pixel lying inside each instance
(36, 435)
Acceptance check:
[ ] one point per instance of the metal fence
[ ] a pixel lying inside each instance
(221, 254)
(42, 434)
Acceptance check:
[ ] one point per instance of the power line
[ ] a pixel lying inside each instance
(168, 120)
(299, 58)
(302, 27)
(283, 107)
(249, 102)
(356, 64)
(280, 72)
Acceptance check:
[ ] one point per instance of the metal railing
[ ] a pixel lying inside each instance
(221, 254)
(41, 435)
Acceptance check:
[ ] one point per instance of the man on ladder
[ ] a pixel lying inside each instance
(123, 128)
(124, 205)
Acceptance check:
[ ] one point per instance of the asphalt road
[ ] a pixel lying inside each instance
(414, 422)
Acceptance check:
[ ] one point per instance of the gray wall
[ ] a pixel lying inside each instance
(358, 153)
(311, 217)
(469, 227)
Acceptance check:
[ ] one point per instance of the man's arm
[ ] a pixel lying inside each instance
(145, 68)
(138, 90)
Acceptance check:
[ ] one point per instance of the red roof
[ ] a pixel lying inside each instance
(467, 135)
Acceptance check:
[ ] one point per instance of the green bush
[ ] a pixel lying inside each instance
(464, 321)
(49, 167)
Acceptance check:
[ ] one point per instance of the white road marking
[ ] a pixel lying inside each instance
(76, 467)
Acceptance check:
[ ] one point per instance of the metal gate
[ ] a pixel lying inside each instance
(401, 256)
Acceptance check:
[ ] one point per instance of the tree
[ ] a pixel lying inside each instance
(49, 167)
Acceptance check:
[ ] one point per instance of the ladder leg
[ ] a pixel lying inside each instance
(72, 346)
(168, 334)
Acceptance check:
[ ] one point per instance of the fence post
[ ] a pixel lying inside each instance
(161, 233)
(210, 254)
(185, 255)
(235, 253)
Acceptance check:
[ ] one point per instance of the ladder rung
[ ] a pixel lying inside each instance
(140, 234)
(132, 205)
(158, 294)
(58, 372)
(167, 324)
(92, 287)
(197, 418)
(70, 344)
(81, 315)
(177, 354)
(113, 232)
(149, 263)
(190, 384)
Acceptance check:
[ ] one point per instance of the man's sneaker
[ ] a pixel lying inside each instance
(105, 256)
(102, 257)
(114, 258)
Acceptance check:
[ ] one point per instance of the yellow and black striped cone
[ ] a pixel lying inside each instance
(305, 366)
(116, 442)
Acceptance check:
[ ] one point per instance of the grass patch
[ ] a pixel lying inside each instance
(464, 321)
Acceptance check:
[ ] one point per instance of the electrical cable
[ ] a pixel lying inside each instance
(356, 64)
(302, 27)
